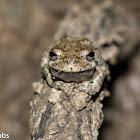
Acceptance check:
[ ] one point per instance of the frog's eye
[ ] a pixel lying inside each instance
(53, 56)
(90, 56)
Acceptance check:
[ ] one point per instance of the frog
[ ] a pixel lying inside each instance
(75, 66)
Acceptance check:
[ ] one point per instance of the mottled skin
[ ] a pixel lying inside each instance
(75, 66)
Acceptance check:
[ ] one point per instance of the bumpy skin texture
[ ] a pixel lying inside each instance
(76, 68)
(63, 108)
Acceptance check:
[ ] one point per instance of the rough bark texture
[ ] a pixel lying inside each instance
(112, 30)
(61, 121)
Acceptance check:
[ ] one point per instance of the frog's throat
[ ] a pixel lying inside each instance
(72, 76)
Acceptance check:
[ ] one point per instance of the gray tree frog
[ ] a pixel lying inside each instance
(75, 66)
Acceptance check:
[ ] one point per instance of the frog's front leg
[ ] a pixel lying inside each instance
(92, 87)
(44, 65)
(98, 79)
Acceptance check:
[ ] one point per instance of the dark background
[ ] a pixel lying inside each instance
(27, 28)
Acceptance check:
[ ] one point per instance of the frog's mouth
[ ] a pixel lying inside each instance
(72, 76)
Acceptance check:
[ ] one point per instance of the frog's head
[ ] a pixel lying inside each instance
(73, 59)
